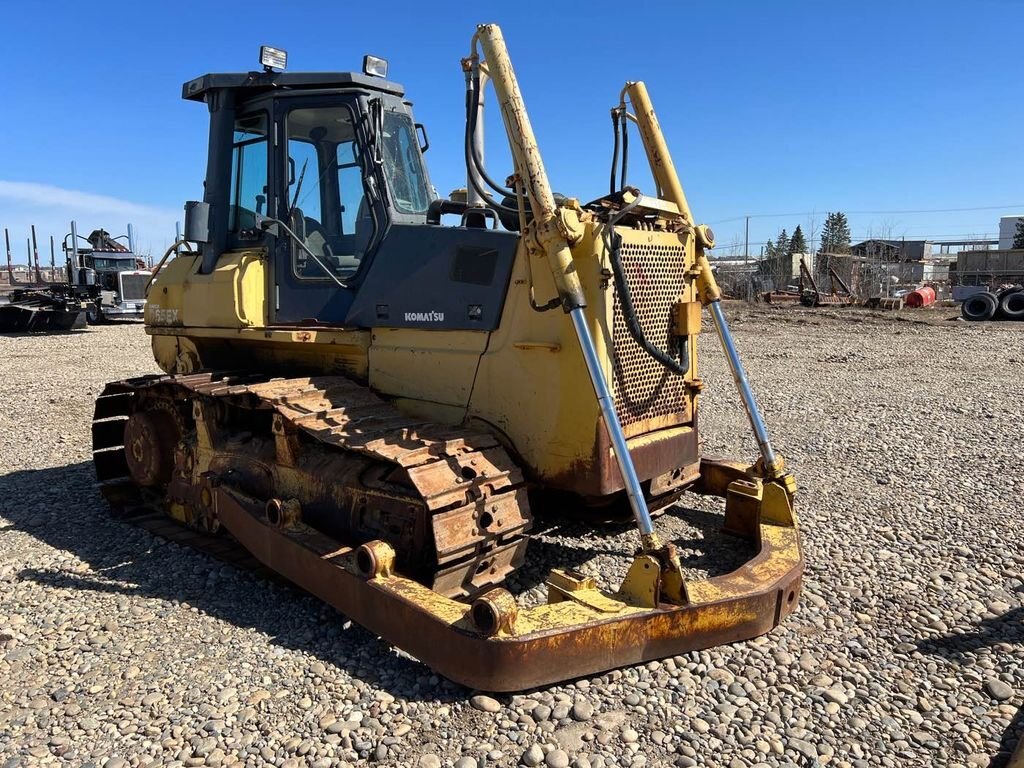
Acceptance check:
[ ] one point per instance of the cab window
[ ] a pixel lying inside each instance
(326, 209)
(350, 183)
(403, 164)
(248, 172)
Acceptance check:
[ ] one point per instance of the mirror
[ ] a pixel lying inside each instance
(197, 221)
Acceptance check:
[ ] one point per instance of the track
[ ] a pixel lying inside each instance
(450, 501)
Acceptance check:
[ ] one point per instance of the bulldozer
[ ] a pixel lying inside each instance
(367, 386)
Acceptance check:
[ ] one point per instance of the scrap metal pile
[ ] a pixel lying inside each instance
(809, 295)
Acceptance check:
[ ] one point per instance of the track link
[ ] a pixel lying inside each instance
(453, 499)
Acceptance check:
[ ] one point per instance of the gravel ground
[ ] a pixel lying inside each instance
(119, 649)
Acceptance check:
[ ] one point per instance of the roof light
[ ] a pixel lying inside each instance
(374, 66)
(273, 58)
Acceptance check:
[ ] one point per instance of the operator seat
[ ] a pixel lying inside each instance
(313, 236)
(316, 241)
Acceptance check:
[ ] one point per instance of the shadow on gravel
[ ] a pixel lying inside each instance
(1011, 736)
(1005, 629)
(1008, 628)
(705, 550)
(61, 507)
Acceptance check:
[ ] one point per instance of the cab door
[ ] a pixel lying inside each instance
(324, 202)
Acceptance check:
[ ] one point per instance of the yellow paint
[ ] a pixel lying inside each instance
(714, 602)
(432, 366)
(233, 295)
(533, 364)
(527, 378)
(641, 587)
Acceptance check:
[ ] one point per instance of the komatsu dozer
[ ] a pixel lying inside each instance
(366, 386)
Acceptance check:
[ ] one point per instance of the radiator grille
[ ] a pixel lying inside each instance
(133, 286)
(643, 388)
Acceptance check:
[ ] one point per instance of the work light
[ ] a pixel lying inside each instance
(374, 66)
(273, 58)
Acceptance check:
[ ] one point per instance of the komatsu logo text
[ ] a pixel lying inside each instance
(424, 317)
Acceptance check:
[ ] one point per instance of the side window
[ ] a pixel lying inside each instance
(248, 172)
(350, 184)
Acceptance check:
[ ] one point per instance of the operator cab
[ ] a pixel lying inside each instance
(325, 173)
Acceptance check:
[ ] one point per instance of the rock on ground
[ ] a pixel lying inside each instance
(117, 648)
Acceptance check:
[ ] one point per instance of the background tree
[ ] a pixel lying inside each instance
(1018, 235)
(782, 244)
(797, 243)
(843, 230)
(835, 235)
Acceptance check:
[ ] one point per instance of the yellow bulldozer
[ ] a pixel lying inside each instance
(366, 386)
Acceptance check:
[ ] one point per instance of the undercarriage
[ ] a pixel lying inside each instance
(412, 528)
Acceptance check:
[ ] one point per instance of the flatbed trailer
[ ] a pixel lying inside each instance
(45, 308)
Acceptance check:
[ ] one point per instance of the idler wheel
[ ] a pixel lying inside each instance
(149, 441)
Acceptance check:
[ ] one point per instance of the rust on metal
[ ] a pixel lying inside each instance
(561, 640)
(377, 488)
(670, 455)
(452, 501)
(781, 297)
(840, 294)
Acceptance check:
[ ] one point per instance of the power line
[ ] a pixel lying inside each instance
(1019, 206)
(934, 239)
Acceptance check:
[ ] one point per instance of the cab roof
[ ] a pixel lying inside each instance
(255, 83)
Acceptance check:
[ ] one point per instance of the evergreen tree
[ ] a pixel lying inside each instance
(835, 235)
(797, 243)
(843, 231)
(782, 244)
(825, 242)
(1018, 235)
(767, 257)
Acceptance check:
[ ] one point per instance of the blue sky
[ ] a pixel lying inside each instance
(769, 108)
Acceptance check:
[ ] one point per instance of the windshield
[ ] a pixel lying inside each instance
(403, 164)
(118, 265)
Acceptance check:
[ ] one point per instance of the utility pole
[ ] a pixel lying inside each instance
(53, 262)
(35, 252)
(746, 240)
(746, 252)
(10, 268)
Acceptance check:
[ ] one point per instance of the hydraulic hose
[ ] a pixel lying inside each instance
(615, 151)
(472, 97)
(625, 150)
(680, 366)
(484, 195)
(160, 264)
